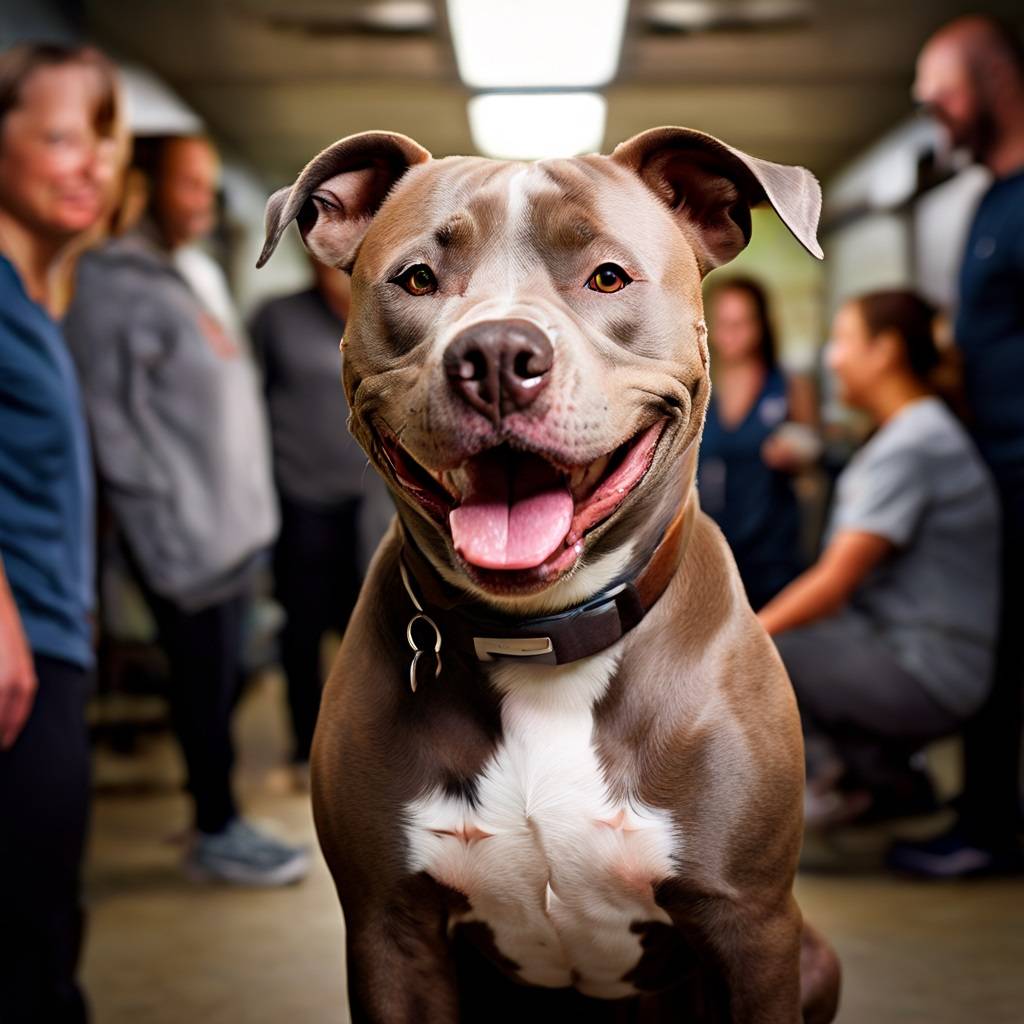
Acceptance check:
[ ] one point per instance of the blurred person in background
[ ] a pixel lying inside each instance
(888, 638)
(750, 450)
(178, 426)
(61, 151)
(970, 77)
(319, 471)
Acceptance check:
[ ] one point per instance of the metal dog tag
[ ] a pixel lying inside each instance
(420, 616)
(418, 652)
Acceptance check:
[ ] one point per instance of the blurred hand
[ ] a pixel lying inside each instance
(792, 448)
(778, 453)
(17, 671)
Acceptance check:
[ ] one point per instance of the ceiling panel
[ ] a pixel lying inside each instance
(278, 79)
(281, 126)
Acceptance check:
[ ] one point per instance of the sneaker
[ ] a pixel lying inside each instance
(831, 800)
(952, 855)
(834, 807)
(243, 855)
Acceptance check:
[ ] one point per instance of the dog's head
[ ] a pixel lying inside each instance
(526, 358)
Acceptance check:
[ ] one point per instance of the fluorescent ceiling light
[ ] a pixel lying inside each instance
(501, 44)
(705, 15)
(399, 15)
(529, 126)
(330, 18)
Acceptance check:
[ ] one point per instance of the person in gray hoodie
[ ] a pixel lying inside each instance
(182, 452)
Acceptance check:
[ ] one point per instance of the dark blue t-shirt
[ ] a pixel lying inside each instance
(990, 328)
(754, 505)
(46, 494)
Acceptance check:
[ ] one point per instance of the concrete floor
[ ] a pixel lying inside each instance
(164, 951)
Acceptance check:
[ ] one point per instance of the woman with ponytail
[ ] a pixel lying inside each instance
(888, 637)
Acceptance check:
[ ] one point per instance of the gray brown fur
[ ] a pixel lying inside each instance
(698, 717)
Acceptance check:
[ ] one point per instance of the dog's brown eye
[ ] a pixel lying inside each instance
(418, 280)
(608, 278)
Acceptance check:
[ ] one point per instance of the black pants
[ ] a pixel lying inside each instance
(857, 703)
(44, 811)
(317, 580)
(990, 805)
(204, 649)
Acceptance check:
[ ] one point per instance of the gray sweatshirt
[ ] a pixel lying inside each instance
(178, 424)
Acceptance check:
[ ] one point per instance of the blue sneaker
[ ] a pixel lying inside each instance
(951, 856)
(243, 855)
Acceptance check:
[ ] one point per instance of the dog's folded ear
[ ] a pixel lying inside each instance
(338, 192)
(712, 187)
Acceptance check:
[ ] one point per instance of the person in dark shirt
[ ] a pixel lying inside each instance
(320, 474)
(970, 76)
(744, 475)
(60, 153)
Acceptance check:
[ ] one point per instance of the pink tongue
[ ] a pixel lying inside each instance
(514, 517)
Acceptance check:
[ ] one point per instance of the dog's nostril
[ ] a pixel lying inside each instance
(521, 365)
(474, 366)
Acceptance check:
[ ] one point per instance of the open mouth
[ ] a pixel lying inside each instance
(520, 513)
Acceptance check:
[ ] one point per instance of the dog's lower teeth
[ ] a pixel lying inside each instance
(595, 471)
(584, 478)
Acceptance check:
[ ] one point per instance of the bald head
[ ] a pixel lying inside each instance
(970, 76)
(983, 43)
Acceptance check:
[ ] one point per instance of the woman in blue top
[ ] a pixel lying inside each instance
(60, 150)
(745, 470)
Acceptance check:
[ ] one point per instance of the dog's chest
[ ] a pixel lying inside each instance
(557, 869)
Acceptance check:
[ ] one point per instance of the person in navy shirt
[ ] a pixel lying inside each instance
(745, 476)
(970, 76)
(60, 150)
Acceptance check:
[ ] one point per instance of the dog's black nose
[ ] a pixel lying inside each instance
(499, 366)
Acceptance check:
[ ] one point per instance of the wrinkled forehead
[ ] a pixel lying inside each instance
(552, 209)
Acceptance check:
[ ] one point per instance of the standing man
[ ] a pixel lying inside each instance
(970, 76)
(320, 474)
(178, 426)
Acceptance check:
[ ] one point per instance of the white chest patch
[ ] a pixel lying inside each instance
(555, 867)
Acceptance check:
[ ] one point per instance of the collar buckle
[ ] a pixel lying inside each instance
(492, 648)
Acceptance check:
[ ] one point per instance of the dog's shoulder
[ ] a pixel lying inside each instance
(704, 620)
(702, 681)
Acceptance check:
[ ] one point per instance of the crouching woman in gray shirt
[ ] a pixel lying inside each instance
(888, 637)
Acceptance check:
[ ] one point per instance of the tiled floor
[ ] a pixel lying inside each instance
(163, 951)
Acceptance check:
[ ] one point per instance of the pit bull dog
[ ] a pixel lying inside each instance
(558, 769)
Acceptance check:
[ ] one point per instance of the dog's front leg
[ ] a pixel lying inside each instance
(400, 969)
(750, 945)
(758, 950)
